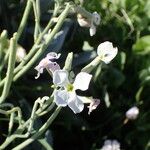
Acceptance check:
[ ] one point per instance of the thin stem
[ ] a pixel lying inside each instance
(10, 69)
(22, 127)
(5, 59)
(36, 9)
(44, 46)
(33, 115)
(88, 68)
(40, 132)
(45, 144)
(35, 47)
(3, 38)
(29, 64)
(24, 19)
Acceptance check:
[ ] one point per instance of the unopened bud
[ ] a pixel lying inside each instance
(132, 113)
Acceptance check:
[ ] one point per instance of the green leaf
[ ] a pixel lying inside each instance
(142, 45)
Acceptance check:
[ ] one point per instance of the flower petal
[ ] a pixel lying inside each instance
(60, 78)
(83, 22)
(106, 51)
(132, 113)
(82, 81)
(53, 66)
(75, 103)
(52, 55)
(92, 30)
(93, 105)
(61, 97)
(96, 18)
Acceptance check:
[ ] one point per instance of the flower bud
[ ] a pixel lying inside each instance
(21, 53)
(132, 113)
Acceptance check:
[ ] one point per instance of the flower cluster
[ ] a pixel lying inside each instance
(65, 90)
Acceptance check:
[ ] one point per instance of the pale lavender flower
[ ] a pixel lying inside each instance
(65, 94)
(93, 105)
(111, 145)
(48, 63)
(132, 113)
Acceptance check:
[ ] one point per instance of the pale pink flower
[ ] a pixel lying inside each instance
(48, 63)
(93, 105)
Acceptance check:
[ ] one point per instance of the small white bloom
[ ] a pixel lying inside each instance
(95, 21)
(132, 113)
(48, 63)
(106, 51)
(93, 105)
(66, 92)
(111, 145)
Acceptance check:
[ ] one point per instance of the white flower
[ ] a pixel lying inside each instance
(106, 51)
(93, 105)
(66, 92)
(92, 23)
(132, 113)
(111, 145)
(48, 63)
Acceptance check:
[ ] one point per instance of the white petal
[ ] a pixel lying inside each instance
(132, 113)
(82, 81)
(60, 78)
(75, 103)
(83, 22)
(52, 55)
(61, 97)
(96, 18)
(93, 105)
(92, 30)
(106, 51)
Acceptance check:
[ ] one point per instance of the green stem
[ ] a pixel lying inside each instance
(37, 19)
(29, 64)
(22, 127)
(40, 132)
(3, 39)
(43, 48)
(34, 48)
(24, 19)
(45, 144)
(88, 68)
(10, 69)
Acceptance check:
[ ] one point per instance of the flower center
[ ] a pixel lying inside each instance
(69, 87)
